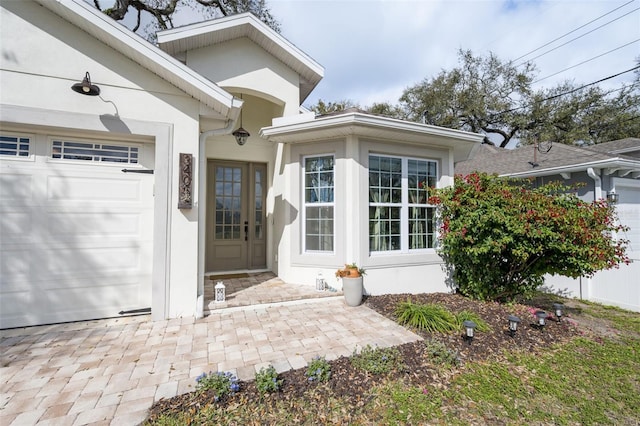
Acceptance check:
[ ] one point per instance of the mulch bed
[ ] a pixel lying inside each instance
(354, 385)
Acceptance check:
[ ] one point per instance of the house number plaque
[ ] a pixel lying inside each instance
(185, 200)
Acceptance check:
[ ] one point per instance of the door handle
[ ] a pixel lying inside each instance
(246, 230)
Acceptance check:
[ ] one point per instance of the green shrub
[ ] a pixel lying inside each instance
(501, 236)
(377, 360)
(318, 370)
(220, 383)
(267, 380)
(463, 316)
(440, 354)
(430, 317)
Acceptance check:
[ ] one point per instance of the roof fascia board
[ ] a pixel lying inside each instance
(133, 46)
(601, 164)
(365, 120)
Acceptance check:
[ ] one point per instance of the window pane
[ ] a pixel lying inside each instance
(319, 197)
(85, 151)
(389, 185)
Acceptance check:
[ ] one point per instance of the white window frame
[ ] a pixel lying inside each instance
(306, 204)
(138, 146)
(404, 206)
(30, 152)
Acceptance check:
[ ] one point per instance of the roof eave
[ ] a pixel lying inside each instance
(378, 127)
(610, 166)
(123, 40)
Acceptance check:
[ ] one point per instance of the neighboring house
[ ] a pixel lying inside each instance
(603, 169)
(127, 200)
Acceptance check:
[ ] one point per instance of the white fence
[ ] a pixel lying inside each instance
(617, 287)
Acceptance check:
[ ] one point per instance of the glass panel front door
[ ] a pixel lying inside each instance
(235, 216)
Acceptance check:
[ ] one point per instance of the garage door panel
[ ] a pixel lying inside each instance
(86, 260)
(92, 189)
(16, 187)
(15, 265)
(97, 224)
(15, 224)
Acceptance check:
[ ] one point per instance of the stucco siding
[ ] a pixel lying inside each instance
(240, 63)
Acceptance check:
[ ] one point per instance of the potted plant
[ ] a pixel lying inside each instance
(352, 287)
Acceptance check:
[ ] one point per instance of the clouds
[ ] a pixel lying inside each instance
(372, 50)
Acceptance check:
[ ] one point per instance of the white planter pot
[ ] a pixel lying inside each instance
(352, 289)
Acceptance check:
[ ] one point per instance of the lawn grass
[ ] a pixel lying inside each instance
(590, 380)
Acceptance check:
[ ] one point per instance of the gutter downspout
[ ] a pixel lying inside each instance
(202, 207)
(597, 183)
(597, 190)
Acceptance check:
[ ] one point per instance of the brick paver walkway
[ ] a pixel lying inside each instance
(111, 371)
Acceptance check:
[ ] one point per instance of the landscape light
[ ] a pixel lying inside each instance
(513, 324)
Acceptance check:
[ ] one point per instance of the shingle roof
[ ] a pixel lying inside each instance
(527, 160)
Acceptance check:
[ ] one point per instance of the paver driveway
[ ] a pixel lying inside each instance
(111, 371)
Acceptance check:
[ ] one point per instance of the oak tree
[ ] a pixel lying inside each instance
(159, 14)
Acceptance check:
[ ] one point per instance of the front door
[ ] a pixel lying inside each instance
(236, 219)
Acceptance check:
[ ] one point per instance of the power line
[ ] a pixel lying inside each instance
(574, 30)
(569, 92)
(576, 38)
(588, 60)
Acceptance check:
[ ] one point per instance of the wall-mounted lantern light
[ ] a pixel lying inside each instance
(86, 88)
(613, 197)
(513, 324)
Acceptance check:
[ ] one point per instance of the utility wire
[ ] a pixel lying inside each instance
(588, 60)
(572, 31)
(570, 91)
(572, 40)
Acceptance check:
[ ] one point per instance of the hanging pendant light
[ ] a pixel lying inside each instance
(241, 134)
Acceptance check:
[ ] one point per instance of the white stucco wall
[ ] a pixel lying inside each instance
(42, 56)
(241, 63)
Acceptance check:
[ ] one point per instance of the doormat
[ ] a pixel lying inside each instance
(227, 277)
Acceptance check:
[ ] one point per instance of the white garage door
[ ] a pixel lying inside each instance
(75, 231)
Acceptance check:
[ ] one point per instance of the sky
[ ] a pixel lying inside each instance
(373, 50)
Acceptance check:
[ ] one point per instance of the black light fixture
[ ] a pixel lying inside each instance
(541, 316)
(513, 324)
(613, 197)
(86, 88)
(469, 327)
(558, 307)
(241, 134)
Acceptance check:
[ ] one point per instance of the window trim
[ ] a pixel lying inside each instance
(31, 150)
(305, 204)
(92, 162)
(404, 205)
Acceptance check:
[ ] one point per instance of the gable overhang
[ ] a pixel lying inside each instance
(182, 39)
(611, 167)
(462, 144)
(150, 57)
